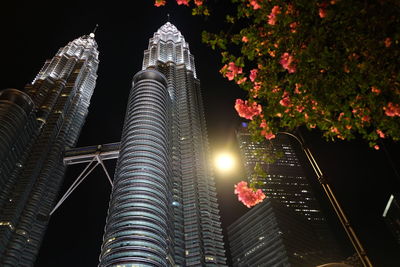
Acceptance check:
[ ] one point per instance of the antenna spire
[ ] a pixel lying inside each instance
(94, 30)
(168, 17)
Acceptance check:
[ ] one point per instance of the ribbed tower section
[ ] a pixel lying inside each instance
(59, 96)
(198, 233)
(139, 231)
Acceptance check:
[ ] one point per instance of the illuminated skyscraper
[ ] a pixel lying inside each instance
(163, 208)
(290, 195)
(35, 127)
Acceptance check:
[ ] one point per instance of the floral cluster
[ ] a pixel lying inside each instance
(247, 110)
(230, 71)
(247, 195)
(313, 63)
(392, 110)
(287, 62)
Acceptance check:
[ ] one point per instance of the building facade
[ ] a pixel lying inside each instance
(287, 186)
(269, 235)
(163, 208)
(35, 127)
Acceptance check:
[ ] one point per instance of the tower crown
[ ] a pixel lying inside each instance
(169, 32)
(168, 45)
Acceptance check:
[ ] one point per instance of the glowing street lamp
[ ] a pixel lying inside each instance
(225, 162)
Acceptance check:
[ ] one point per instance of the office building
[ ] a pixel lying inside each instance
(163, 208)
(35, 127)
(290, 192)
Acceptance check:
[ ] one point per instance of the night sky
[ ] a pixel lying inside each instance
(33, 31)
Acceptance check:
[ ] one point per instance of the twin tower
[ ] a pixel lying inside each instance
(163, 208)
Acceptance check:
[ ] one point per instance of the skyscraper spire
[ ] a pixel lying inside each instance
(59, 96)
(92, 34)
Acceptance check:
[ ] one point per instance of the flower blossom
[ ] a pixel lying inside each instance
(255, 4)
(300, 108)
(375, 90)
(380, 133)
(231, 70)
(392, 110)
(287, 62)
(198, 2)
(376, 147)
(159, 3)
(322, 10)
(247, 110)
(293, 26)
(245, 39)
(256, 88)
(334, 130)
(182, 2)
(285, 101)
(272, 16)
(266, 132)
(242, 80)
(253, 74)
(247, 195)
(388, 42)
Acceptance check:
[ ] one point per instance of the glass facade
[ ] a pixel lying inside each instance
(58, 101)
(286, 185)
(192, 233)
(269, 235)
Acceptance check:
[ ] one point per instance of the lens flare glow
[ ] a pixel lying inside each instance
(224, 162)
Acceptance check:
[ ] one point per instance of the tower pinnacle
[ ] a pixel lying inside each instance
(94, 31)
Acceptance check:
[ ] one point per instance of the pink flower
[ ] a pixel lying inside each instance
(388, 42)
(300, 108)
(247, 195)
(255, 4)
(266, 132)
(340, 116)
(245, 39)
(272, 16)
(375, 90)
(334, 130)
(380, 133)
(182, 2)
(322, 13)
(253, 74)
(159, 3)
(293, 26)
(271, 53)
(256, 88)
(392, 110)
(287, 62)
(285, 101)
(231, 70)
(365, 118)
(198, 2)
(322, 10)
(247, 110)
(242, 80)
(376, 147)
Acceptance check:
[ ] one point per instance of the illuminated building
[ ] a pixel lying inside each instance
(288, 188)
(163, 208)
(35, 127)
(268, 235)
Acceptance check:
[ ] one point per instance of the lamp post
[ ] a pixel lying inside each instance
(335, 204)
